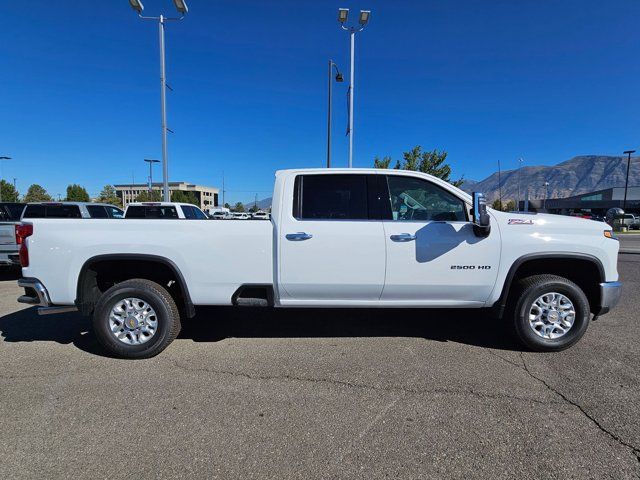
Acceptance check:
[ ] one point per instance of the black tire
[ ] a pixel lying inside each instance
(527, 291)
(158, 298)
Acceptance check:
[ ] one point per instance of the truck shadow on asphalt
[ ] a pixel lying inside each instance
(213, 324)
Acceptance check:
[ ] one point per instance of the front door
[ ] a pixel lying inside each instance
(331, 244)
(433, 256)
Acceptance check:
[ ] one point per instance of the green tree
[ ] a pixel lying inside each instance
(226, 205)
(384, 163)
(8, 193)
(185, 197)
(511, 206)
(108, 195)
(145, 196)
(497, 204)
(238, 207)
(432, 162)
(36, 193)
(77, 193)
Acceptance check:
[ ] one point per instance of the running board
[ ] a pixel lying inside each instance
(61, 309)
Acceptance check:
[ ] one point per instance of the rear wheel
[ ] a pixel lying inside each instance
(550, 313)
(136, 319)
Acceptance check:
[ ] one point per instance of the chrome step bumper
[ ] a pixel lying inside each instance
(36, 294)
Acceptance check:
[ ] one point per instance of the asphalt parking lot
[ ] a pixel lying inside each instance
(321, 394)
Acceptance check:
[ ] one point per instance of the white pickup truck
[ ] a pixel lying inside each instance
(337, 238)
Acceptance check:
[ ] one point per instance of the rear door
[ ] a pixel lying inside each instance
(331, 242)
(433, 256)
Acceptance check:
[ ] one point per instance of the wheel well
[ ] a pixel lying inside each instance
(585, 272)
(100, 274)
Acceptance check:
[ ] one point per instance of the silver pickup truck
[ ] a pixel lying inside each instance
(9, 217)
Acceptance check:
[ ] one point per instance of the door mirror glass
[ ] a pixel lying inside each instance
(481, 219)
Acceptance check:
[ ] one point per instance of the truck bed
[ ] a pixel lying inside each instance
(200, 249)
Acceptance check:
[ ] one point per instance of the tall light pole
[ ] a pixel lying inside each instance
(626, 183)
(499, 186)
(182, 9)
(338, 79)
(151, 161)
(546, 195)
(520, 160)
(343, 14)
(2, 158)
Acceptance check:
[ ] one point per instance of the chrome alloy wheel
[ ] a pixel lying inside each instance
(133, 321)
(551, 315)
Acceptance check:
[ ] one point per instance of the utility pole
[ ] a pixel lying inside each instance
(499, 186)
(255, 203)
(520, 160)
(223, 190)
(546, 195)
(338, 79)
(626, 183)
(2, 158)
(151, 161)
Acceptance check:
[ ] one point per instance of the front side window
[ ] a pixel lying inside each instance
(330, 197)
(115, 212)
(97, 211)
(199, 214)
(188, 212)
(417, 199)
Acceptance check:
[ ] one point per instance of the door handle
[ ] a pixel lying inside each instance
(298, 237)
(403, 237)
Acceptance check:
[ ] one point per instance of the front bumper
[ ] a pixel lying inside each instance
(610, 293)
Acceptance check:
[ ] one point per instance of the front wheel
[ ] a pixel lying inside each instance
(550, 313)
(136, 319)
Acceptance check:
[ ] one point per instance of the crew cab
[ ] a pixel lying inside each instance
(336, 238)
(164, 210)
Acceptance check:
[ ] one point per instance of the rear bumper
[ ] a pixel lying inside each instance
(9, 255)
(36, 294)
(610, 293)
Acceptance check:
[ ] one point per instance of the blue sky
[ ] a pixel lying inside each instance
(485, 80)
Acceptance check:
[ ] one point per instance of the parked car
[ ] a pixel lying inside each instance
(260, 215)
(241, 216)
(164, 211)
(337, 238)
(219, 213)
(631, 221)
(10, 214)
(71, 210)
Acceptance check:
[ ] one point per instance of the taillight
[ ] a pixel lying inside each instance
(22, 232)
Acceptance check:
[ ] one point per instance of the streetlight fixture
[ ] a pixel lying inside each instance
(182, 9)
(626, 182)
(339, 79)
(151, 161)
(343, 15)
(2, 158)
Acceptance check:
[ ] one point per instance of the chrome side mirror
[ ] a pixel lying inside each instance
(481, 219)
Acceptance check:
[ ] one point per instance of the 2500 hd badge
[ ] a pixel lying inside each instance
(470, 267)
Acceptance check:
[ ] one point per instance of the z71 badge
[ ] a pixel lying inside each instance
(520, 221)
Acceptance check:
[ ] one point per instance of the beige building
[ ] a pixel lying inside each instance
(207, 196)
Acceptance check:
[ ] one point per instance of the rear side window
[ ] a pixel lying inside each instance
(144, 211)
(52, 211)
(330, 197)
(97, 211)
